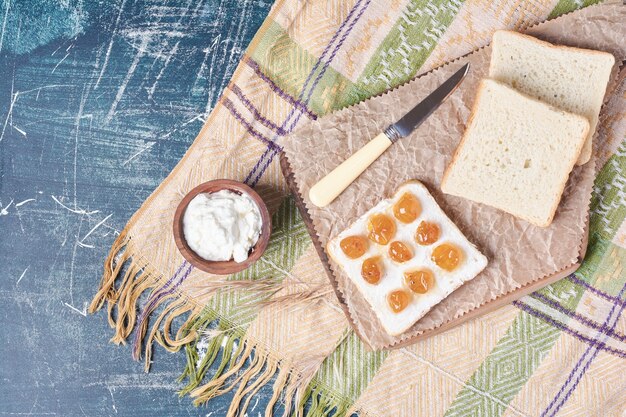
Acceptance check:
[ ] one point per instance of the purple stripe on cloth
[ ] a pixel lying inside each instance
(332, 56)
(585, 360)
(164, 287)
(257, 115)
(268, 160)
(323, 70)
(154, 299)
(595, 290)
(231, 107)
(275, 88)
(561, 326)
(249, 178)
(327, 48)
(330, 59)
(578, 317)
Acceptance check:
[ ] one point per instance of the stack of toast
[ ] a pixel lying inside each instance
(533, 120)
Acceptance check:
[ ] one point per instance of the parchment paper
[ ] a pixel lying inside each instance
(518, 252)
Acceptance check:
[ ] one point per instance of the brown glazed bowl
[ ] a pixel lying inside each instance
(221, 267)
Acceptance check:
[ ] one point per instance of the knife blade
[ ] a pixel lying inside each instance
(336, 181)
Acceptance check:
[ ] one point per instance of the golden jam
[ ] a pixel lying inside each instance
(427, 233)
(447, 256)
(398, 300)
(353, 246)
(407, 208)
(399, 252)
(419, 281)
(381, 228)
(371, 270)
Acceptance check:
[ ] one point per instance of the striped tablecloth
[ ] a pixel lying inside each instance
(559, 351)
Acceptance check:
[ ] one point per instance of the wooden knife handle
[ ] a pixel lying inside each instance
(333, 184)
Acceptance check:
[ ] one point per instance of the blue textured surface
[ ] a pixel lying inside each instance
(98, 102)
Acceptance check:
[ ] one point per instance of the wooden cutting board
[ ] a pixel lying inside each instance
(484, 309)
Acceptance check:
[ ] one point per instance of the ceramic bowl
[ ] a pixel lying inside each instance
(222, 267)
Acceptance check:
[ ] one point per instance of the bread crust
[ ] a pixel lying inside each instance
(482, 86)
(551, 45)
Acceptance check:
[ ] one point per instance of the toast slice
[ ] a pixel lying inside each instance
(392, 277)
(571, 79)
(516, 154)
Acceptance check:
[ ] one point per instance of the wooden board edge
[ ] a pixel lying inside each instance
(491, 305)
(308, 222)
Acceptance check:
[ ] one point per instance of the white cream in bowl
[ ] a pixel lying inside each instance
(222, 226)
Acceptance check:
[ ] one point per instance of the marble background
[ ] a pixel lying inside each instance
(98, 101)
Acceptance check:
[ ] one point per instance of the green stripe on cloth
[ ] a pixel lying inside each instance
(608, 212)
(566, 6)
(288, 242)
(283, 60)
(514, 359)
(289, 65)
(348, 370)
(408, 44)
(596, 249)
(507, 368)
(235, 310)
(599, 267)
(607, 206)
(565, 292)
(609, 274)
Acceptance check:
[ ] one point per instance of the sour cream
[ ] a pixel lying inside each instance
(222, 226)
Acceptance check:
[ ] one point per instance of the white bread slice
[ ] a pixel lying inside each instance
(473, 262)
(571, 79)
(516, 154)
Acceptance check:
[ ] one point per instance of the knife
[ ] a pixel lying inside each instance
(333, 184)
